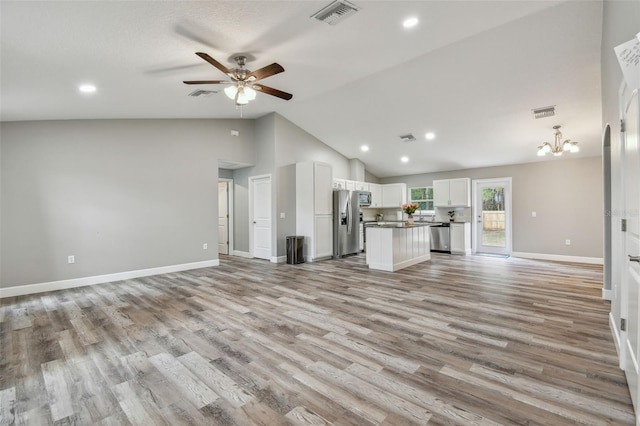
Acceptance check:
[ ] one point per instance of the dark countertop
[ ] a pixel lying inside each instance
(398, 224)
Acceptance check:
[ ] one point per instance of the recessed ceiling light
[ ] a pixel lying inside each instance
(364, 148)
(87, 88)
(430, 136)
(405, 159)
(410, 22)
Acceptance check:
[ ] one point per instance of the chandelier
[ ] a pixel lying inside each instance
(558, 147)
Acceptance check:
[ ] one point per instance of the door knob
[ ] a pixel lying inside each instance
(634, 258)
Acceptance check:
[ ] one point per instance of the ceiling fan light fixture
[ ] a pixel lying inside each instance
(249, 93)
(231, 92)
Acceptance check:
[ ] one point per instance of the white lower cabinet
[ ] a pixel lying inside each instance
(460, 238)
(324, 235)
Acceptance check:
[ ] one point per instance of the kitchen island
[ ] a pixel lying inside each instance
(393, 246)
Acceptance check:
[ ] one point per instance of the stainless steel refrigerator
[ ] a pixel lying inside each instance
(346, 223)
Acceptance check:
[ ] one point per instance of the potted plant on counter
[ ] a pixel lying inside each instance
(410, 209)
(452, 215)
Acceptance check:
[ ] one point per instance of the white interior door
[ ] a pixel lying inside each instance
(260, 227)
(223, 217)
(492, 211)
(630, 294)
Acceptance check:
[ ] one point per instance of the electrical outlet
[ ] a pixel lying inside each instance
(205, 246)
(533, 214)
(282, 215)
(71, 259)
(567, 242)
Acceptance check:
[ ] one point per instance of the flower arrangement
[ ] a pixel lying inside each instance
(410, 209)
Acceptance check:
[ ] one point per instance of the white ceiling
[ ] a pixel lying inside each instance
(471, 71)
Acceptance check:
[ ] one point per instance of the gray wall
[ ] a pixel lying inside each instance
(119, 195)
(225, 174)
(294, 145)
(264, 164)
(566, 195)
(621, 21)
(280, 144)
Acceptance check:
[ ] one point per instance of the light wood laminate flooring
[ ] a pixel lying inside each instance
(458, 340)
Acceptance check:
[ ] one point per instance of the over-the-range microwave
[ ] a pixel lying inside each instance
(364, 198)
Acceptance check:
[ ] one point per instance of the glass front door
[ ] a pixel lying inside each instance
(492, 207)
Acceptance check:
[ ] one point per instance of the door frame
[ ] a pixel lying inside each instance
(229, 212)
(627, 96)
(251, 181)
(507, 181)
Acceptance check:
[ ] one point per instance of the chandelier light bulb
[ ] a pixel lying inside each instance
(574, 147)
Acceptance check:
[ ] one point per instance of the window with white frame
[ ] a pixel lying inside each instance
(423, 196)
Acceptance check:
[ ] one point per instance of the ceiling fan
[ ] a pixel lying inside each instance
(243, 87)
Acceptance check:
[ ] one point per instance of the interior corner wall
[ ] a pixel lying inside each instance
(264, 161)
(294, 145)
(119, 195)
(566, 195)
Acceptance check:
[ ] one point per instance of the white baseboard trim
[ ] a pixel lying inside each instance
(560, 258)
(279, 259)
(614, 332)
(101, 279)
(242, 254)
(607, 294)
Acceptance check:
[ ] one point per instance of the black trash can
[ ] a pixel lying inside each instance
(295, 254)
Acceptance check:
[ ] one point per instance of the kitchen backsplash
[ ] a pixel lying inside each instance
(463, 214)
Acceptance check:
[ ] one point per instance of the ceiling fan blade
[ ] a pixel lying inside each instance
(214, 62)
(265, 72)
(207, 82)
(273, 92)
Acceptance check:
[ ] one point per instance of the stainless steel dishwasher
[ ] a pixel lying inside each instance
(440, 238)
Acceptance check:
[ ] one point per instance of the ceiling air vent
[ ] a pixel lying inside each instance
(549, 111)
(201, 92)
(407, 138)
(336, 12)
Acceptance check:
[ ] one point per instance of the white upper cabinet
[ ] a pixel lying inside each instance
(394, 194)
(362, 186)
(376, 194)
(452, 193)
(339, 184)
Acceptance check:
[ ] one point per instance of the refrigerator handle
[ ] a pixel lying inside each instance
(349, 216)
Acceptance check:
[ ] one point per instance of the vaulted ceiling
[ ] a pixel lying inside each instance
(470, 71)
